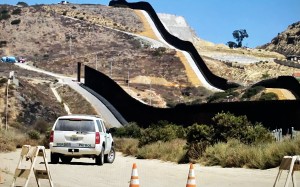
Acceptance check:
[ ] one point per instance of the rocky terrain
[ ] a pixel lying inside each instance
(242, 65)
(286, 42)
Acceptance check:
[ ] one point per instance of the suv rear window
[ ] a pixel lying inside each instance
(81, 125)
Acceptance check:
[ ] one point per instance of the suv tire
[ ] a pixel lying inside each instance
(66, 159)
(110, 157)
(54, 158)
(100, 158)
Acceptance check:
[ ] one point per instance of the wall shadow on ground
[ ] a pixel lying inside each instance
(187, 46)
(273, 114)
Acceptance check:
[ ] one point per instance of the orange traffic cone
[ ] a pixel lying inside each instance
(191, 181)
(134, 181)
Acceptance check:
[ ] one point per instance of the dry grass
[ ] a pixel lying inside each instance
(167, 151)
(231, 154)
(263, 156)
(127, 146)
(12, 139)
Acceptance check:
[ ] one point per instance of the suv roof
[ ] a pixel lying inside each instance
(83, 116)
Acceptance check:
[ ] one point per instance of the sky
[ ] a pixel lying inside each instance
(215, 20)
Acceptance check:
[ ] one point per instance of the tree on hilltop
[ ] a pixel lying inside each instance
(239, 36)
(23, 4)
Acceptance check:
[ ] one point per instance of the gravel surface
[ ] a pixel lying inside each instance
(152, 173)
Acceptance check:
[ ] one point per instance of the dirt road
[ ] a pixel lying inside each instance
(152, 173)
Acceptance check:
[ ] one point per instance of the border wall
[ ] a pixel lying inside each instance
(214, 80)
(286, 82)
(273, 114)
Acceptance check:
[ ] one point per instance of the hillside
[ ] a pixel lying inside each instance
(242, 65)
(286, 42)
(30, 101)
(56, 37)
(51, 48)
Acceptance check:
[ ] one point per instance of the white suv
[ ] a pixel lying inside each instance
(76, 136)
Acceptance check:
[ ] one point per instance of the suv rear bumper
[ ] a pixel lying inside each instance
(75, 151)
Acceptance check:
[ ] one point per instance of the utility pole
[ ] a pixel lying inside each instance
(11, 75)
(128, 79)
(6, 107)
(70, 45)
(111, 68)
(150, 93)
(96, 62)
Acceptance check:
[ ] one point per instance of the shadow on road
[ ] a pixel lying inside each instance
(73, 163)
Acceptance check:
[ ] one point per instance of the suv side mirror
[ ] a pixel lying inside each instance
(111, 130)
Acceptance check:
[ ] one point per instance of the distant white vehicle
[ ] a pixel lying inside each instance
(64, 2)
(76, 136)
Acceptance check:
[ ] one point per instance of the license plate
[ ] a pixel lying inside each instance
(63, 144)
(85, 145)
(75, 145)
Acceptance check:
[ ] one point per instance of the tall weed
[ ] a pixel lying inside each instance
(261, 156)
(167, 151)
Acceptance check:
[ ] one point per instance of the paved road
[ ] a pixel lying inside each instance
(152, 173)
(100, 108)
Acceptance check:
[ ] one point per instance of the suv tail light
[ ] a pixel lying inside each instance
(97, 138)
(51, 136)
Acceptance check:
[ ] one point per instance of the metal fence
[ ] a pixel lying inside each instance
(290, 133)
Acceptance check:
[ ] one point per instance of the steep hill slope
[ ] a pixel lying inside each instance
(286, 42)
(57, 37)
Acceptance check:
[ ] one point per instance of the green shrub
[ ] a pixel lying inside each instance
(159, 51)
(41, 126)
(15, 22)
(33, 134)
(46, 139)
(252, 91)
(22, 4)
(229, 126)
(199, 133)
(162, 131)
(132, 130)
(16, 11)
(222, 95)
(268, 96)
(257, 134)
(46, 56)
(3, 43)
(4, 11)
(3, 81)
(4, 14)
(265, 75)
